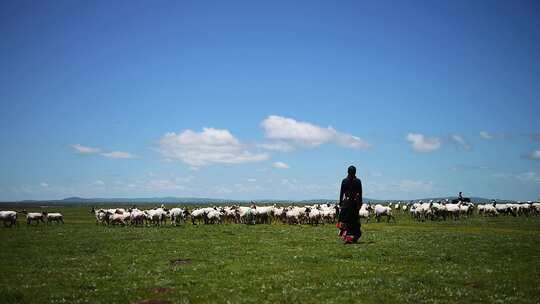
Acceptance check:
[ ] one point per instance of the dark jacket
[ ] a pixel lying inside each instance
(351, 192)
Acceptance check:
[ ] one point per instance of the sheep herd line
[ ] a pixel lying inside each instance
(309, 214)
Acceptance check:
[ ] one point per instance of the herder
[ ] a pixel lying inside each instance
(350, 202)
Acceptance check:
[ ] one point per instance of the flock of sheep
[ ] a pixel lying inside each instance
(309, 214)
(444, 209)
(314, 215)
(9, 218)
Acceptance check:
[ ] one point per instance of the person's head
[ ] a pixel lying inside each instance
(351, 171)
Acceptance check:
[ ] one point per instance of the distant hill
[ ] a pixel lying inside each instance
(199, 200)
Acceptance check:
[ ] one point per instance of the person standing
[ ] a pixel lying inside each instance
(350, 202)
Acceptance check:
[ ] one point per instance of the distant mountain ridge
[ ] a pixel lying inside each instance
(202, 200)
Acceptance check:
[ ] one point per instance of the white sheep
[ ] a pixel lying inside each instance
(34, 217)
(198, 214)
(54, 217)
(118, 217)
(137, 217)
(156, 216)
(213, 217)
(102, 216)
(381, 210)
(293, 215)
(264, 214)
(364, 212)
(248, 215)
(313, 215)
(328, 214)
(9, 218)
(453, 210)
(177, 215)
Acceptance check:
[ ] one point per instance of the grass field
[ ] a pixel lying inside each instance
(490, 260)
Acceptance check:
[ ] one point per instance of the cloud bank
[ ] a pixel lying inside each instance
(423, 144)
(85, 150)
(280, 165)
(80, 149)
(117, 154)
(535, 154)
(305, 134)
(211, 146)
(485, 135)
(460, 142)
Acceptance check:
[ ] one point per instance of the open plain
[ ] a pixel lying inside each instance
(476, 260)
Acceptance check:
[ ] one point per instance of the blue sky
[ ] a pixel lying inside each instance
(269, 100)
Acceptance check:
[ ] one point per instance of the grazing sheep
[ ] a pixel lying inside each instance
(505, 209)
(102, 216)
(328, 213)
(248, 215)
(453, 210)
(314, 216)
(156, 216)
(213, 217)
(9, 218)
(264, 214)
(536, 207)
(232, 214)
(136, 217)
(54, 217)
(279, 213)
(381, 210)
(34, 217)
(490, 210)
(364, 212)
(177, 215)
(119, 217)
(293, 216)
(199, 214)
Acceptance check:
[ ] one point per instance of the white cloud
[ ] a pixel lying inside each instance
(84, 150)
(211, 146)
(529, 177)
(502, 175)
(222, 190)
(280, 165)
(459, 141)
(535, 154)
(277, 146)
(98, 183)
(403, 189)
(307, 134)
(420, 143)
(461, 167)
(117, 154)
(306, 188)
(242, 188)
(164, 184)
(44, 184)
(524, 177)
(415, 186)
(486, 135)
(113, 154)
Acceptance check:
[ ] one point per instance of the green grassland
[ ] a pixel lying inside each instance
(489, 260)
